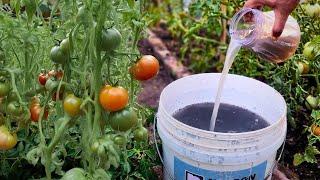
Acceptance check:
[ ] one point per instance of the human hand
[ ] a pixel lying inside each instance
(282, 10)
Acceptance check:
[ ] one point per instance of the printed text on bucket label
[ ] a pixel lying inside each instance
(184, 171)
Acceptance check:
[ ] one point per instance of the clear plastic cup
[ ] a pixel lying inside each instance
(252, 28)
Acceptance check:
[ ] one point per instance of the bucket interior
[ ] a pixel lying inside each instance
(240, 91)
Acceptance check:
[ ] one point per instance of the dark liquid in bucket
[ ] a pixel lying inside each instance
(231, 119)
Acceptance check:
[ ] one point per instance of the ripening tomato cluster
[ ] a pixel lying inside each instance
(7, 139)
(311, 51)
(115, 99)
(43, 77)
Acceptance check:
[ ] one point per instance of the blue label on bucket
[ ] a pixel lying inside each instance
(184, 171)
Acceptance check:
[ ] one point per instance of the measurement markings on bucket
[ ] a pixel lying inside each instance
(184, 171)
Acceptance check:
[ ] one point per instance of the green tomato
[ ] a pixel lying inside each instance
(12, 97)
(14, 108)
(51, 85)
(57, 55)
(95, 147)
(111, 39)
(308, 51)
(140, 134)
(101, 151)
(123, 120)
(120, 140)
(75, 173)
(303, 68)
(4, 89)
(312, 102)
(65, 46)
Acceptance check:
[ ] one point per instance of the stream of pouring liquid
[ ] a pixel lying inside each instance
(232, 52)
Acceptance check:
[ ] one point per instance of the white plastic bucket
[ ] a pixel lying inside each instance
(194, 154)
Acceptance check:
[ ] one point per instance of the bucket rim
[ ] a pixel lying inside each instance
(212, 133)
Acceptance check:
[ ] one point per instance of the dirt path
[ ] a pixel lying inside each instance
(151, 89)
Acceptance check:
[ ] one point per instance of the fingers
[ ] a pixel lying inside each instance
(253, 4)
(257, 4)
(279, 23)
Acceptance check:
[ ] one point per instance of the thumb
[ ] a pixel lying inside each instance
(279, 23)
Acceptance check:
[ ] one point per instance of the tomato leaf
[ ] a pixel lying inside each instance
(310, 153)
(315, 115)
(130, 3)
(298, 159)
(101, 174)
(33, 156)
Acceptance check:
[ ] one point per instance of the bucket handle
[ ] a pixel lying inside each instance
(172, 178)
(157, 148)
(278, 158)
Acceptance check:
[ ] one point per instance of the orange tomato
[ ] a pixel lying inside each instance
(315, 129)
(58, 74)
(146, 68)
(113, 98)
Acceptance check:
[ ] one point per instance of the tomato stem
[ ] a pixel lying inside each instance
(54, 9)
(64, 125)
(15, 90)
(47, 150)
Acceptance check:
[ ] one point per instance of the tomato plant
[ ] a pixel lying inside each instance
(77, 46)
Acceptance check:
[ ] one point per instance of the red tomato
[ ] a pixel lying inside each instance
(42, 78)
(146, 68)
(35, 110)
